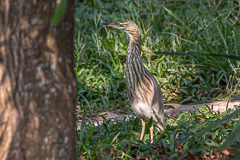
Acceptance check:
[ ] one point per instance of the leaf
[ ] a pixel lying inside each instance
(191, 156)
(115, 137)
(106, 65)
(174, 114)
(210, 142)
(82, 128)
(172, 142)
(106, 127)
(237, 125)
(59, 13)
(175, 16)
(126, 155)
(149, 123)
(230, 139)
(217, 123)
(225, 151)
(186, 99)
(89, 134)
(236, 157)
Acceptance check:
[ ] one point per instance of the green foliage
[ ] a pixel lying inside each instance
(59, 13)
(120, 138)
(217, 123)
(202, 28)
(208, 31)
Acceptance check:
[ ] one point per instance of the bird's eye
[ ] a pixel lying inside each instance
(124, 24)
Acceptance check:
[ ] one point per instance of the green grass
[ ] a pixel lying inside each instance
(185, 134)
(208, 27)
(203, 27)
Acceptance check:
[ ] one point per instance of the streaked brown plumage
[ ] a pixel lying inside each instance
(143, 90)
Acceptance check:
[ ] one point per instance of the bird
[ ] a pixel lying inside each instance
(143, 90)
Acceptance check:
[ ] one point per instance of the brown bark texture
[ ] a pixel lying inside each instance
(37, 81)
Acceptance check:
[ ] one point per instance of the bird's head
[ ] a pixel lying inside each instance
(127, 26)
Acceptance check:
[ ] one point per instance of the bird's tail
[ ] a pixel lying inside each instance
(161, 124)
(161, 127)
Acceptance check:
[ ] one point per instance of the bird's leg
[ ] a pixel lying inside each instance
(143, 129)
(151, 133)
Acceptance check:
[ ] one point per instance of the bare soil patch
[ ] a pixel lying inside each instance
(216, 106)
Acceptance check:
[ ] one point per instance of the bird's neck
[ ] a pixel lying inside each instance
(138, 80)
(134, 55)
(134, 47)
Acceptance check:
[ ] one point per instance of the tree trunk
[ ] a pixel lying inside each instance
(37, 81)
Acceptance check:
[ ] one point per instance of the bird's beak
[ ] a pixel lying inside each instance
(111, 24)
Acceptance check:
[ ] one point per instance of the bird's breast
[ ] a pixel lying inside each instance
(142, 110)
(139, 84)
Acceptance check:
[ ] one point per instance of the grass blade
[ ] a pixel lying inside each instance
(217, 123)
(230, 139)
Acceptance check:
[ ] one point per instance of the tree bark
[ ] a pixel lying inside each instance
(37, 81)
